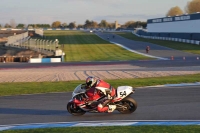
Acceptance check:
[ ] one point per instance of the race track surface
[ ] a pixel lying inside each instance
(155, 50)
(171, 103)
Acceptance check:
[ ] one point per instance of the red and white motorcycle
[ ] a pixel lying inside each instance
(87, 100)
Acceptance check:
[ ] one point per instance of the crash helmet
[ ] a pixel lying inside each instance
(91, 81)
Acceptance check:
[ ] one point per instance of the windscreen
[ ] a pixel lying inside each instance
(79, 89)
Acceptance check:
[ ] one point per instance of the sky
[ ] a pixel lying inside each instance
(66, 11)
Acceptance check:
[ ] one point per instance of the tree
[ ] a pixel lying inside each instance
(90, 24)
(87, 24)
(56, 24)
(94, 24)
(72, 25)
(193, 6)
(111, 25)
(80, 26)
(103, 24)
(31, 26)
(130, 24)
(144, 24)
(175, 11)
(20, 26)
(64, 25)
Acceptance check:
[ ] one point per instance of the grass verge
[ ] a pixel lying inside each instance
(114, 129)
(47, 87)
(195, 49)
(85, 46)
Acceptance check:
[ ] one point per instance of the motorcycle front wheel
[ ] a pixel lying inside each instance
(129, 103)
(74, 111)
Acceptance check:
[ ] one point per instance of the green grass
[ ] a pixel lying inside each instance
(114, 129)
(82, 46)
(171, 44)
(47, 87)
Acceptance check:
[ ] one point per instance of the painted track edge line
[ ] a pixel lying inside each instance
(95, 124)
(171, 85)
(160, 58)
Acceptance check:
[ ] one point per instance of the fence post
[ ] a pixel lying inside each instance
(43, 43)
(40, 44)
(50, 45)
(46, 45)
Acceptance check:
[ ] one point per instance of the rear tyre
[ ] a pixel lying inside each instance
(74, 111)
(130, 104)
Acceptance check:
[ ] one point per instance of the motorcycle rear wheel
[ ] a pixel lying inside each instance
(74, 111)
(130, 103)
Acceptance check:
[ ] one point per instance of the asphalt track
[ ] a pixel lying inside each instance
(155, 50)
(166, 103)
(141, 63)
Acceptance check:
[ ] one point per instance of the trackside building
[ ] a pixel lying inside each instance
(184, 27)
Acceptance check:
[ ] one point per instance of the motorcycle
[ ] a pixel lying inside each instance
(87, 100)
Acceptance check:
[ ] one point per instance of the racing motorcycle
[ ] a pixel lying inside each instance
(87, 100)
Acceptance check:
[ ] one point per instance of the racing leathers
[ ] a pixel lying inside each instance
(109, 92)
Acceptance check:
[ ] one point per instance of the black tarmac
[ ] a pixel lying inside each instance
(168, 103)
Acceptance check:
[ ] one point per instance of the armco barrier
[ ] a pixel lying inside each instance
(192, 41)
(172, 39)
(188, 41)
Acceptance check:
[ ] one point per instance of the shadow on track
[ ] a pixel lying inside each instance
(32, 111)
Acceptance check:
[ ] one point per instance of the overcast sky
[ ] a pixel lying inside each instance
(48, 11)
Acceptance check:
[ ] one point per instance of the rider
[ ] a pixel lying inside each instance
(147, 49)
(106, 89)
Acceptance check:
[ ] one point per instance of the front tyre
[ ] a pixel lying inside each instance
(130, 105)
(74, 111)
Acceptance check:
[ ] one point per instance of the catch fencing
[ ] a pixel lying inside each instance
(23, 41)
(41, 45)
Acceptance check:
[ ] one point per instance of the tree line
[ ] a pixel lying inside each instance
(192, 6)
(87, 24)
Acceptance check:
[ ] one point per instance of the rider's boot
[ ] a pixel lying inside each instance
(111, 108)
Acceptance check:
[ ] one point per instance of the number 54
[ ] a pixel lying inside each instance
(122, 93)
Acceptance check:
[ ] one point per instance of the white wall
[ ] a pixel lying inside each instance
(190, 26)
